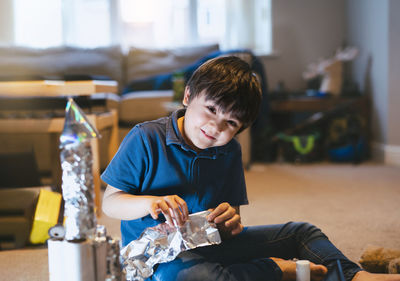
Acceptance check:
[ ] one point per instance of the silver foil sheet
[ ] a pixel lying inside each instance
(162, 243)
(77, 175)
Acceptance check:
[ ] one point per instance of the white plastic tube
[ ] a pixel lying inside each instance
(83, 261)
(302, 270)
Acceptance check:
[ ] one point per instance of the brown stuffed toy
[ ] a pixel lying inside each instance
(380, 260)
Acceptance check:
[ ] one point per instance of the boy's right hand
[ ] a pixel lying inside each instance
(172, 207)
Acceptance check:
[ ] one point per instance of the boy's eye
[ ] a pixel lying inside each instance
(211, 109)
(232, 123)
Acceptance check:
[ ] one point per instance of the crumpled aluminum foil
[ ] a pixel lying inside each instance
(77, 176)
(162, 243)
(112, 269)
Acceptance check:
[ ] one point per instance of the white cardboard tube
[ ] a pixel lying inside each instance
(302, 270)
(71, 261)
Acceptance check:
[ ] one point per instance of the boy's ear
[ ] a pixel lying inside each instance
(186, 95)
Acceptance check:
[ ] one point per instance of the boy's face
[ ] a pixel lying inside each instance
(205, 125)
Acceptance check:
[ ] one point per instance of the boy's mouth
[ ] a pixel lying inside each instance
(207, 136)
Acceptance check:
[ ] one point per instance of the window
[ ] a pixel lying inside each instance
(46, 23)
(87, 23)
(37, 23)
(144, 23)
(172, 23)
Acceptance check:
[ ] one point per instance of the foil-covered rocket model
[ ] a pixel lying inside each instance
(80, 250)
(77, 175)
(162, 243)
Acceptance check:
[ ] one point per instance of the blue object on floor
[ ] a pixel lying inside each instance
(349, 152)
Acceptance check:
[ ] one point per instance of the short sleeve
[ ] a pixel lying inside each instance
(127, 168)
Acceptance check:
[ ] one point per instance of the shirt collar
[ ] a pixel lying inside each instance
(173, 136)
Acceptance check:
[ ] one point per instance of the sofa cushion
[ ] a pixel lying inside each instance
(142, 106)
(60, 61)
(153, 83)
(164, 81)
(143, 63)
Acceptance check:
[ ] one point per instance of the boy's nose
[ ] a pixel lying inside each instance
(218, 126)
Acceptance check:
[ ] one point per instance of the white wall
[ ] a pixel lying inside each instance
(6, 22)
(371, 66)
(394, 74)
(303, 32)
(373, 26)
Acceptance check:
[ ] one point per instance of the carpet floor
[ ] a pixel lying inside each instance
(354, 205)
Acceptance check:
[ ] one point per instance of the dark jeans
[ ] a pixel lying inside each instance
(246, 256)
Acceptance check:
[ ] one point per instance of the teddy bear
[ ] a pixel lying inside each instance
(380, 260)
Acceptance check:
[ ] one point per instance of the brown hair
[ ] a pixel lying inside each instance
(231, 84)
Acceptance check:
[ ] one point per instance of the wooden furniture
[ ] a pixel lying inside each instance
(53, 88)
(17, 209)
(281, 109)
(313, 110)
(55, 125)
(307, 104)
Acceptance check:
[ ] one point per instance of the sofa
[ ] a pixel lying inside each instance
(140, 97)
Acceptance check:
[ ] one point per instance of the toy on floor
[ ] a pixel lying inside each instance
(381, 260)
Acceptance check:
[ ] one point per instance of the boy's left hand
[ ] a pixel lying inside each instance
(227, 220)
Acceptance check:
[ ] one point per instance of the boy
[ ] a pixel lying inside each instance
(190, 162)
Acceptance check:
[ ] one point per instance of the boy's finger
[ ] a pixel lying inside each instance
(155, 210)
(165, 210)
(237, 229)
(176, 213)
(169, 217)
(169, 220)
(179, 212)
(175, 210)
(226, 216)
(221, 208)
(163, 206)
(183, 207)
(232, 221)
(208, 217)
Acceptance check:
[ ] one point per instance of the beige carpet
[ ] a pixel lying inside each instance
(354, 205)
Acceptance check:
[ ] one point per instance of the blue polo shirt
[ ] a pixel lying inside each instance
(153, 159)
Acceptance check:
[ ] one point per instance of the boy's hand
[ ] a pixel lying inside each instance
(172, 207)
(227, 220)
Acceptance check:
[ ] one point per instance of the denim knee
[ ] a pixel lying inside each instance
(305, 232)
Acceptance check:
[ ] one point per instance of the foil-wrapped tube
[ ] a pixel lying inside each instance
(162, 243)
(114, 270)
(112, 266)
(77, 175)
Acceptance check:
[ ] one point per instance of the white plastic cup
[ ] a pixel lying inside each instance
(302, 270)
(83, 261)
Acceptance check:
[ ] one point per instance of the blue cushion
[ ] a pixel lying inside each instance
(164, 81)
